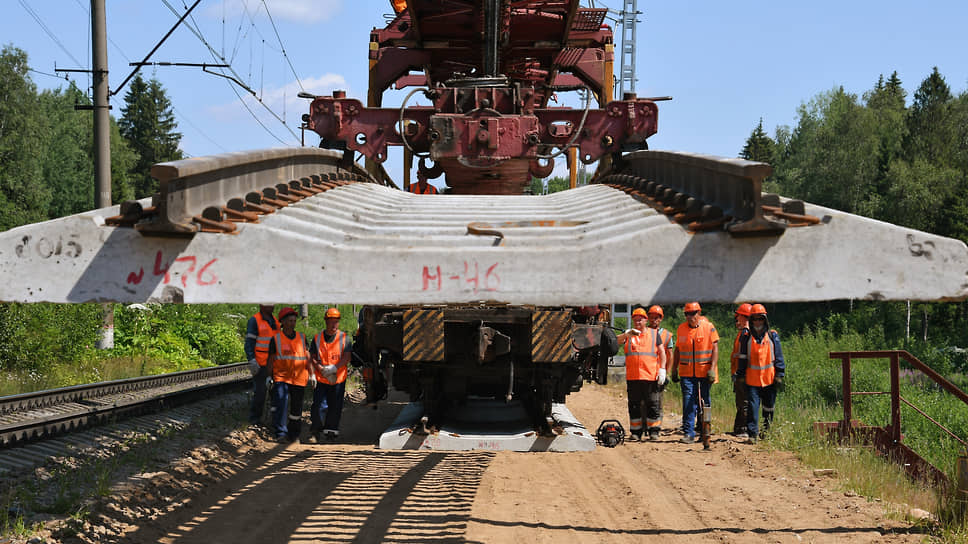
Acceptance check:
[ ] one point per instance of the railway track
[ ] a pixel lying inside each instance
(32, 417)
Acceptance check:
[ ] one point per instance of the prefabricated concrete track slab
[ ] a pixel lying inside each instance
(485, 424)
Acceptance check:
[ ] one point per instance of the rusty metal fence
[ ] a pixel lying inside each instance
(889, 439)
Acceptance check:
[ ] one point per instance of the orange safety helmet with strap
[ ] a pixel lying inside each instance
(695, 347)
(745, 309)
(266, 331)
(332, 313)
(332, 353)
(757, 309)
(656, 310)
(691, 307)
(290, 363)
(640, 311)
(641, 356)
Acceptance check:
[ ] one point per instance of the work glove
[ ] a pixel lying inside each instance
(675, 376)
(312, 380)
(253, 367)
(633, 332)
(662, 377)
(778, 383)
(329, 371)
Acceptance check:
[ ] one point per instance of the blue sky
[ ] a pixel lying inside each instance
(727, 64)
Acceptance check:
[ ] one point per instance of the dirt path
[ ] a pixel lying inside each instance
(664, 491)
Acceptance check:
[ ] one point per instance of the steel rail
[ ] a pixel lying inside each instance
(32, 416)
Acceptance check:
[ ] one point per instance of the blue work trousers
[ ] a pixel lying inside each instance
(691, 389)
(258, 396)
(327, 406)
(287, 423)
(760, 395)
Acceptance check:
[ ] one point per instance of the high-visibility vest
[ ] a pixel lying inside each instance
(290, 362)
(641, 356)
(430, 190)
(331, 353)
(759, 367)
(695, 346)
(666, 340)
(266, 332)
(735, 355)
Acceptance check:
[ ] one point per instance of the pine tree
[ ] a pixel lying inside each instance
(148, 125)
(929, 125)
(759, 147)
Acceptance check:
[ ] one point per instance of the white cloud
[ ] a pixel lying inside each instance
(297, 11)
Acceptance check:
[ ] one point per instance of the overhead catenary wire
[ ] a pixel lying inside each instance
(284, 55)
(47, 31)
(193, 28)
(114, 98)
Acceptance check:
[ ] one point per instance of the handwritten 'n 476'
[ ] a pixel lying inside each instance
(204, 276)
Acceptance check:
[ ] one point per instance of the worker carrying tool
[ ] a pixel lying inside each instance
(741, 316)
(331, 350)
(258, 332)
(694, 362)
(645, 374)
(289, 372)
(762, 369)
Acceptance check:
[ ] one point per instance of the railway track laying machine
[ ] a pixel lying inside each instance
(484, 290)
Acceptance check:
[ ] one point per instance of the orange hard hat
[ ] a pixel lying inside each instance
(639, 311)
(332, 313)
(758, 309)
(286, 312)
(745, 309)
(692, 307)
(656, 310)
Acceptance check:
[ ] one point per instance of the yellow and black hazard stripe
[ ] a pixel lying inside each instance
(551, 336)
(423, 335)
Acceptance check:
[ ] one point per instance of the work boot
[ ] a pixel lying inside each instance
(688, 439)
(331, 436)
(313, 438)
(741, 436)
(653, 435)
(635, 437)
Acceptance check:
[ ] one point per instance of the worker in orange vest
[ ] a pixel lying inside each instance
(741, 316)
(762, 369)
(330, 351)
(656, 315)
(422, 187)
(289, 369)
(645, 374)
(258, 332)
(694, 362)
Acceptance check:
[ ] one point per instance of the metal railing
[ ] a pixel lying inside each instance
(889, 439)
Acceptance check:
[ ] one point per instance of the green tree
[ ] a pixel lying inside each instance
(830, 158)
(887, 104)
(148, 125)
(68, 168)
(759, 147)
(24, 198)
(930, 131)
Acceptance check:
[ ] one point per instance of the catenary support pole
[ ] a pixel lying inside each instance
(102, 141)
